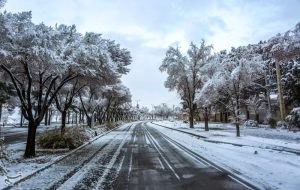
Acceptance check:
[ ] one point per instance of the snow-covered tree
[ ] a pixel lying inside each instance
(47, 64)
(235, 73)
(107, 62)
(282, 49)
(2, 3)
(291, 82)
(117, 96)
(163, 111)
(184, 73)
(256, 104)
(35, 64)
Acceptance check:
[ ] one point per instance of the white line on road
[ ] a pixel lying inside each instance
(199, 159)
(162, 166)
(160, 153)
(134, 138)
(121, 164)
(130, 165)
(112, 161)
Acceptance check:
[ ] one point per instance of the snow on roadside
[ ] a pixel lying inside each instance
(267, 168)
(219, 132)
(17, 167)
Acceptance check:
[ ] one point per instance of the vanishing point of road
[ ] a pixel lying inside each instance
(135, 156)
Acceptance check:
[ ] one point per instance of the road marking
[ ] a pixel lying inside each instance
(112, 161)
(130, 165)
(121, 164)
(187, 153)
(147, 139)
(203, 161)
(162, 166)
(134, 138)
(160, 153)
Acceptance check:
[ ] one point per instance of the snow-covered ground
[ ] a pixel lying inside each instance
(17, 167)
(262, 131)
(267, 157)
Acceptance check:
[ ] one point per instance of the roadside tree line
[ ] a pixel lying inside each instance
(238, 81)
(45, 67)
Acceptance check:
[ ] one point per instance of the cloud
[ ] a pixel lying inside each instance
(147, 28)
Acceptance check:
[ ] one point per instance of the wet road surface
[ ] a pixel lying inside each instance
(134, 156)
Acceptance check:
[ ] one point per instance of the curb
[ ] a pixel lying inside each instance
(200, 136)
(240, 179)
(276, 148)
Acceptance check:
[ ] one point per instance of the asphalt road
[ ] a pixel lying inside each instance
(153, 162)
(135, 157)
(13, 135)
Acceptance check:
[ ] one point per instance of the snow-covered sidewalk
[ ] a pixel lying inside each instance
(278, 139)
(17, 167)
(270, 163)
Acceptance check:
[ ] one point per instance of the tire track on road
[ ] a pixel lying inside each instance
(65, 168)
(205, 161)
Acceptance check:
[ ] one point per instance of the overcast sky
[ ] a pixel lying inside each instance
(148, 27)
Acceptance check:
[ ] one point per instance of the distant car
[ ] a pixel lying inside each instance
(185, 121)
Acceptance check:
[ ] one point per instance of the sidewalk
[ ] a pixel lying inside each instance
(275, 139)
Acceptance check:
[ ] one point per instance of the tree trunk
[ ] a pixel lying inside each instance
(0, 112)
(72, 119)
(63, 122)
(21, 121)
(68, 117)
(226, 117)
(80, 116)
(257, 117)
(247, 115)
(46, 118)
(76, 118)
(206, 124)
(49, 117)
(237, 125)
(198, 118)
(30, 145)
(237, 115)
(206, 120)
(215, 117)
(221, 117)
(191, 119)
(89, 121)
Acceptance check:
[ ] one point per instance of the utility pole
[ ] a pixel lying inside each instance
(279, 87)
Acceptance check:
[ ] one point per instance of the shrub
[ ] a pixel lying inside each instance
(3, 156)
(71, 139)
(293, 118)
(282, 124)
(3, 150)
(250, 123)
(110, 125)
(271, 121)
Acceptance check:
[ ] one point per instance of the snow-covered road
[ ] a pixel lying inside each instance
(134, 156)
